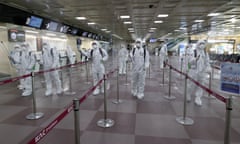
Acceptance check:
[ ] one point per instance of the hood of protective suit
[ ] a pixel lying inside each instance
(138, 42)
(46, 46)
(95, 44)
(25, 46)
(17, 47)
(201, 45)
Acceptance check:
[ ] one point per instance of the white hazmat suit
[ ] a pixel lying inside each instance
(123, 57)
(198, 68)
(140, 62)
(50, 61)
(15, 60)
(98, 56)
(71, 55)
(163, 53)
(28, 63)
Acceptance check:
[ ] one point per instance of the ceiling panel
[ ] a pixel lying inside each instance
(105, 13)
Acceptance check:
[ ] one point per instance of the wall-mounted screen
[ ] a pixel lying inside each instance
(63, 28)
(85, 34)
(50, 25)
(15, 35)
(34, 21)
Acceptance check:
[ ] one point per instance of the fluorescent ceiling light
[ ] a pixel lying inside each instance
(130, 29)
(80, 18)
(124, 16)
(104, 29)
(182, 28)
(108, 31)
(117, 36)
(233, 20)
(159, 21)
(213, 14)
(163, 15)
(153, 28)
(151, 31)
(127, 22)
(176, 30)
(91, 23)
(199, 21)
(238, 27)
(50, 34)
(30, 31)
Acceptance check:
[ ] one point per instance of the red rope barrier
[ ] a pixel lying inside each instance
(216, 67)
(219, 97)
(67, 110)
(40, 72)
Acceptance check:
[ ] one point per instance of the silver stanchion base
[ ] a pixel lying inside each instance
(69, 93)
(126, 84)
(87, 82)
(117, 101)
(105, 123)
(34, 116)
(185, 121)
(170, 97)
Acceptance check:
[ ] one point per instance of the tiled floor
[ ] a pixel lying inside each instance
(151, 120)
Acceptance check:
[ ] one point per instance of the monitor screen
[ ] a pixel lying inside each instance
(50, 25)
(74, 31)
(84, 34)
(90, 35)
(34, 21)
(64, 28)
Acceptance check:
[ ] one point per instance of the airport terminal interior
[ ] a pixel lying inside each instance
(120, 71)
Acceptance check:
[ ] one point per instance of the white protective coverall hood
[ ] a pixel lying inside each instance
(71, 55)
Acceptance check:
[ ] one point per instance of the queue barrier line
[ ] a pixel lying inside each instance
(216, 67)
(40, 72)
(66, 111)
(218, 96)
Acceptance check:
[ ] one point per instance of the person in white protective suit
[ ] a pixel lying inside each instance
(71, 55)
(163, 54)
(197, 70)
(98, 56)
(140, 62)
(28, 62)
(50, 61)
(15, 60)
(189, 55)
(122, 57)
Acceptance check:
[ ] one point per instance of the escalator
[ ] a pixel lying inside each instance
(172, 44)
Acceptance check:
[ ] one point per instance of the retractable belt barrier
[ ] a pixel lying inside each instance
(228, 103)
(216, 67)
(65, 112)
(219, 97)
(40, 72)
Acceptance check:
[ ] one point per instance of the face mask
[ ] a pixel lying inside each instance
(138, 45)
(94, 46)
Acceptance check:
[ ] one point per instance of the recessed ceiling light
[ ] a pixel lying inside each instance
(108, 31)
(159, 21)
(124, 16)
(91, 23)
(176, 30)
(127, 22)
(130, 29)
(163, 15)
(103, 29)
(153, 28)
(238, 27)
(199, 21)
(213, 14)
(80, 18)
(151, 31)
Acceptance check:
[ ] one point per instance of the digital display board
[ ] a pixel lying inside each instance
(15, 35)
(34, 21)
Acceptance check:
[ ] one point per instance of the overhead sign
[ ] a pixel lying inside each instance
(230, 78)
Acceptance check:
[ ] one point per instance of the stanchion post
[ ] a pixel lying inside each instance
(181, 66)
(105, 123)
(87, 71)
(228, 121)
(149, 71)
(76, 121)
(170, 97)
(70, 92)
(34, 115)
(212, 72)
(126, 77)
(117, 101)
(185, 120)
(210, 83)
